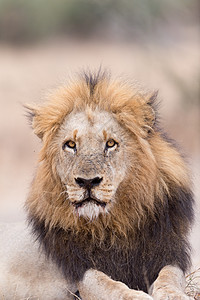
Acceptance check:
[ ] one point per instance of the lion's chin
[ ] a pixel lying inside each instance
(90, 210)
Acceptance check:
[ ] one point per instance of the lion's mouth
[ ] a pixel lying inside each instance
(89, 200)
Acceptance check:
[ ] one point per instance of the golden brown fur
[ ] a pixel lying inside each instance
(161, 163)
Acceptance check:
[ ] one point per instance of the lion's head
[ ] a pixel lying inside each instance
(103, 162)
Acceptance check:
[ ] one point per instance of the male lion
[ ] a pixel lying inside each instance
(110, 202)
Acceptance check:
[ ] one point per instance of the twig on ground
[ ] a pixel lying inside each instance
(192, 286)
(73, 294)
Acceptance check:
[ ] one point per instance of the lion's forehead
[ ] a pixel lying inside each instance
(91, 124)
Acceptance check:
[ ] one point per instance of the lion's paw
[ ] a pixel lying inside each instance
(164, 295)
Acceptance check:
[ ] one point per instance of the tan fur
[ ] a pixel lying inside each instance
(25, 272)
(98, 286)
(170, 284)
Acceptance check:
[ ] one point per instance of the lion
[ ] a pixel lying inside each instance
(110, 203)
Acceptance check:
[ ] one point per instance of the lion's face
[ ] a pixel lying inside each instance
(91, 161)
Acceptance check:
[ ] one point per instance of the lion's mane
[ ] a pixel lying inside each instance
(147, 229)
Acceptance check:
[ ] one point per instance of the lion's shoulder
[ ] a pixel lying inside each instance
(24, 269)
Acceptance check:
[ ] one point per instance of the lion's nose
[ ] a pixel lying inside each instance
(88, 183)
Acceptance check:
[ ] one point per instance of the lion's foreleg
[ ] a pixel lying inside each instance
(169, 285)
(98, 286)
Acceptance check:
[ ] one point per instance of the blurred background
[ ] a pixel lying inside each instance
(44, 42)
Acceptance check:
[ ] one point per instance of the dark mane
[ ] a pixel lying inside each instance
(138, 265)
(93, 78)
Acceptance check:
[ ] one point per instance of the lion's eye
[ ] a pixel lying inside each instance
(111, 143)
(69, 144)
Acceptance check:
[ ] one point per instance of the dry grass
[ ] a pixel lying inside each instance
(193, 287)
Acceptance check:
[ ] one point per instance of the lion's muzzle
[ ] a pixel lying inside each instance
(88, 183)
(89, 206)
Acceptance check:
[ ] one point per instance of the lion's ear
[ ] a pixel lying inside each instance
(32, 114)
(150, 112)
(152, 99)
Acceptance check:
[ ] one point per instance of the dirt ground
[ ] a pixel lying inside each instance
(26, 73)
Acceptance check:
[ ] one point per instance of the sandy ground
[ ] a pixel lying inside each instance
(26, 73)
